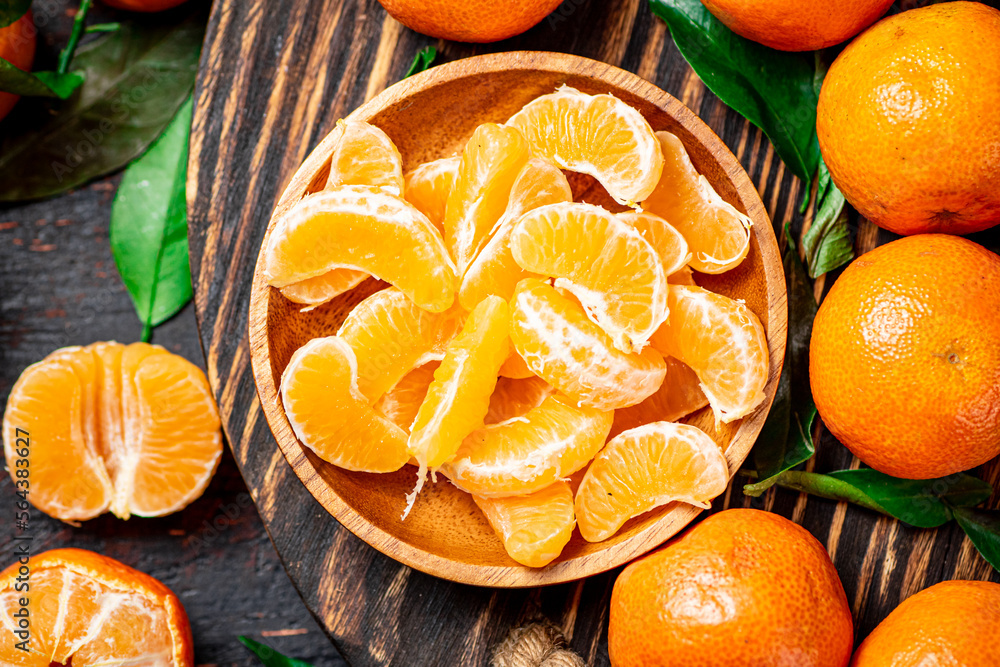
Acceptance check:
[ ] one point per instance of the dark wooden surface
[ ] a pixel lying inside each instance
(58, 287)
(275, 78)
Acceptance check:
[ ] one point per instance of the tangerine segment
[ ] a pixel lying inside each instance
(515, 367)
(325, 287)
(491, 162)
(552, 334)
(514, 398)
(644, 468)
(365, 155)
(390, 336)
(604, 262)
(597, 135)
(668, 243)
(684, 276)
(459, 397)
(89, 610)
(339, 228)
(428, 187)
(401, 403)
(527, 454)
(716, 232)
(724, 342)
(494, 270)
(678, 396)
(330, 415)
(49, 422)
(535, 528)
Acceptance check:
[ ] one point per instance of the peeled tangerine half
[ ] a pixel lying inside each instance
(390, 336)
(597, 135)
(88, 610)
(459, 397)
(724, 342)
(491, 161)
(494, 270)
(132, 429)
(716, 232)
(364, 229)
(644, 468)
(527, 454)
(534, 528)
(331, 416)
(428, 187)
(678, 396)
(604, 262)
(364, 155)
(552, 334)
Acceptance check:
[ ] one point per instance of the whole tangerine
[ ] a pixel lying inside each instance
(17, 46)
(951, 623)
(470, 20)
(743, 587)
(797, 25)
(904, 360)
(909, 120)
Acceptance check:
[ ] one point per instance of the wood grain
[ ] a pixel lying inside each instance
(275, 78)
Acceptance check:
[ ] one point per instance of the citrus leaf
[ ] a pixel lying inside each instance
(423, 60)
(786, 439)
(37, 84)
(149, 226)
(774, 90)
(12, 10)
(103, 27)
(269, 657)
(983, 529)
(135, 80)
(827, 242)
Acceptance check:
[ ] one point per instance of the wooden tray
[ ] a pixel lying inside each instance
(275, 77)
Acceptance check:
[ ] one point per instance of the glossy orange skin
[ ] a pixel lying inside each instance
(470, 20)
(17, 46)
(909, 120)
(951, 623)
(743, 587)
(797, 25)
(904, 360)
(144, 5)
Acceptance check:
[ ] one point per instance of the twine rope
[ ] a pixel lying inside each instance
(535, 645)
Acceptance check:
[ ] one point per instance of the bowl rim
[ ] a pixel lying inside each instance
(515, 575)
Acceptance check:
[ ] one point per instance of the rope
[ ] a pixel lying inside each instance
(535, 645)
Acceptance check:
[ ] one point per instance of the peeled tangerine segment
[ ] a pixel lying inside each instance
(716, 232)
(552, 334)
(533, 528)
(401, 403)
(390, 336)
(724, 342)
(644, 468)
(491, 161)
(597, 135)
(331, 416)
(604, 262)
(515, 367)
(494, 270)
(131, 429)
(678, 396)
(314, 292)
(364, 229)
(668, 243)
(525, 455)
(428, 187)
(514, 398)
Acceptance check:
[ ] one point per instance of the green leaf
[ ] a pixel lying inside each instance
(774, 90)
(12, 10)
(37, 84)
(786, 439)
(827, 242)
(135, 81)
(423, 60)
(149, 226)
(103, 27)
(269, 657)
(983, 528)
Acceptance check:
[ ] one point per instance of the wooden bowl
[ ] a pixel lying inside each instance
(432, 115)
